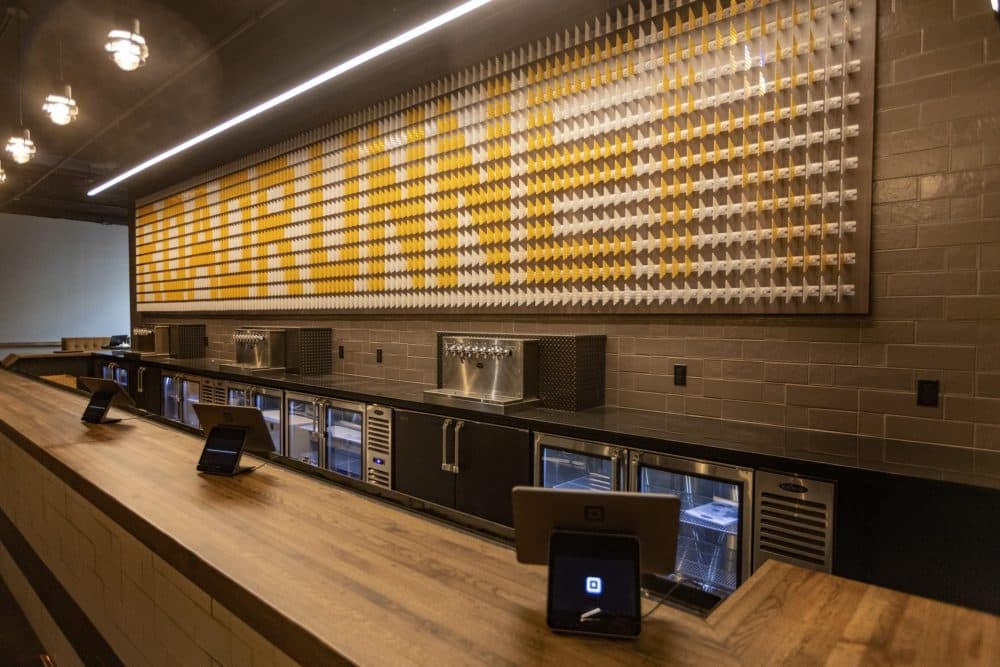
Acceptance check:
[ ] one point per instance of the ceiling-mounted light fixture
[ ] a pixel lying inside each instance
(995, 4)
(127, 48)
(20, 146)
(305, 86)
(62, 109)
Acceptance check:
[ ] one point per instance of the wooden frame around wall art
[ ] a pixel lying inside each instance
(701, 158)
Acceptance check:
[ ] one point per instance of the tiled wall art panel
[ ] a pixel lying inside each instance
(702, 158)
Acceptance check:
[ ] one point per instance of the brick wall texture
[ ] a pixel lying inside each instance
(935, 309)
(146, 610)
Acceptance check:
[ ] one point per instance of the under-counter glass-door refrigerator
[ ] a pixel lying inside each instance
(180, 393)
(345, 449)
(270, 403)
(171, 397)
(110, 370)
(713, 544)
(238, 395)
(563, 463)
(190, 394)
(303, 437)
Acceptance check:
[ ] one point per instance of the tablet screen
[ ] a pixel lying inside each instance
(97, 408)
(223, 448)
(594, 583)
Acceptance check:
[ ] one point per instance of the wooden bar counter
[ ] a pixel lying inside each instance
(275, 567)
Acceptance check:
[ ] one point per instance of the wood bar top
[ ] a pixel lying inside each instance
(330, 575)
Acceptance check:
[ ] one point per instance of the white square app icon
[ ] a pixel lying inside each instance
(594, 585)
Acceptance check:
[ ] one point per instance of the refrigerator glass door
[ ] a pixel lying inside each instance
(344, 452)
(238, 396)
(121, 377)
(303, 438)
(190, 394)
(270, 407)
(171, 398)
(567, 464)
(709, 538)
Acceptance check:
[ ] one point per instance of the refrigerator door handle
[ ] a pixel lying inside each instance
(319, 432)
(444, 446)
(616, 470)
(458, 428)
(140, 387)
(633, 472)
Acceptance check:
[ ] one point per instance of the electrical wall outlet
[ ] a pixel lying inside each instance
(378, 356)
(680, 375)
(340, 351)
(927, 393)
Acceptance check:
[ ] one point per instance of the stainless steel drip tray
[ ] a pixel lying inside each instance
(498, 404)
(244, 368)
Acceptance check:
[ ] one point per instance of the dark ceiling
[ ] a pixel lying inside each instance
(211, 59)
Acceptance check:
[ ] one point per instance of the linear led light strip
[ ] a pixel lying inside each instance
(346, 66)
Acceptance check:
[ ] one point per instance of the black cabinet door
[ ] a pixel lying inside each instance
(416, 457)
(148, 389)
(491, 461)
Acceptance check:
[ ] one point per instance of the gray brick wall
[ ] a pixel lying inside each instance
(935, 286)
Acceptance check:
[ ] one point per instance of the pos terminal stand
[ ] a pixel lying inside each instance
(102, 394)
(596, 545)
(230, 430)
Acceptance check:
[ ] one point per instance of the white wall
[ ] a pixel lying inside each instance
(62, 278)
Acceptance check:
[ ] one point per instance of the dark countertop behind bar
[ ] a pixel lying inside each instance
(736, 443)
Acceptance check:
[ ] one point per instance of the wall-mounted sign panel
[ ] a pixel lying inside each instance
(705, 158)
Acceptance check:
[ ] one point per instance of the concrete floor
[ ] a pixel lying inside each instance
(19, 647)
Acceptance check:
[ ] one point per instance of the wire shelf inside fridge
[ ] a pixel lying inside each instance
(706, 565)
(692, 502)
(714, 514)
(589, 482)
(345, 431)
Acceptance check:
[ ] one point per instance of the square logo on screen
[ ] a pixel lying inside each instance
(594, 585)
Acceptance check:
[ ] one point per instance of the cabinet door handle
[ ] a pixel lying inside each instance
(633, 472)
(141, 374)
(444, 446)
(458, 429)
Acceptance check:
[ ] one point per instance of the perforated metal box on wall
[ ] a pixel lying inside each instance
(187, 341)
(571, 371)
(309, 351)
(793, 521)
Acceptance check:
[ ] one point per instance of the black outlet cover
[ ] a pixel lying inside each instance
(927, 393)
(340, 351)
(378, 356)
(680, 375)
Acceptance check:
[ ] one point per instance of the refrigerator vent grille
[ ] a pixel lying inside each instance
(378, 446)
(794, 521)
(213, 391)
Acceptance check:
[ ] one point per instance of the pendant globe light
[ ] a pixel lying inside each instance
(61, 108)
(20, 146)
(127, 49)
